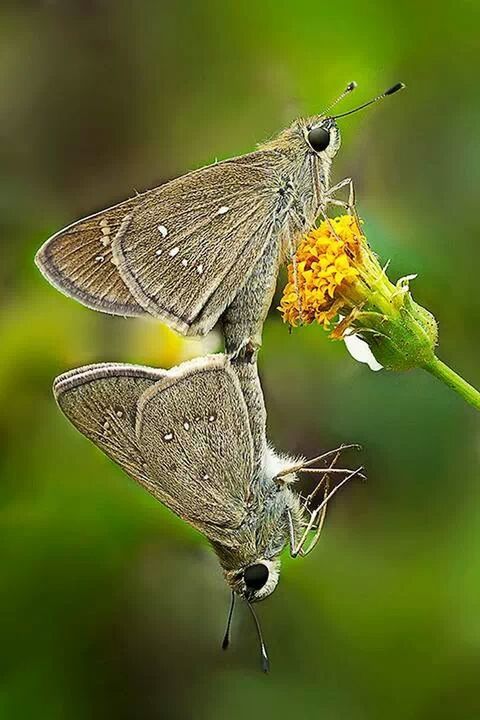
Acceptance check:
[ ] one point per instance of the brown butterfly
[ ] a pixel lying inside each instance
(191, 437)
(210, 240)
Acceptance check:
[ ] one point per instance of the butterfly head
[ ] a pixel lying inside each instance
(253, 583)
(321, 132)
(256, 581)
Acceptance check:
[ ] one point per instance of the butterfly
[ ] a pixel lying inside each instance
(206, 246)
(187, 436)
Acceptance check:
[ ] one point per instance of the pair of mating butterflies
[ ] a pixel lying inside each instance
(202, 249)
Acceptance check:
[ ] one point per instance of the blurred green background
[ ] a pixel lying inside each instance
(109, 605)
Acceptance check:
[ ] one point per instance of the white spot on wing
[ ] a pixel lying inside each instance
(168, 436)
(158, 252)
(224, 209)
(186, 425)
(184, 262)
(200, 269)
(162, 230)
(99, 259)
(174, 251)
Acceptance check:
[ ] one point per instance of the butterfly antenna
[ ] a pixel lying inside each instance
(395, 88)
(226, 637)
(265, 662)
(351, 86)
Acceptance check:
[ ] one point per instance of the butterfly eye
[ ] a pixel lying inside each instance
(255, 576)
(318, 138)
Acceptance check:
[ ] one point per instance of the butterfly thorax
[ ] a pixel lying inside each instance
(268, 533)
(265, 531)
(305, 174)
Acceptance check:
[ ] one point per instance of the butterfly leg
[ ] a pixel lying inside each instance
(346, 182)
(292, 250)
(349, 204)
(322, 211)
(297, 546)
(324, 198)
(307, 463)
(315, 515)
(295, 550)
(317, 519)
(316, 523)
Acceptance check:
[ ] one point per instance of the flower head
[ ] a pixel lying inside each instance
(326, 268)
(338, 282)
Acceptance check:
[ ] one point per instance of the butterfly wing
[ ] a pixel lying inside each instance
(203, 471)
(79, 262)
(180, 252)
(194, 433)
(101, 402)
(186, 254)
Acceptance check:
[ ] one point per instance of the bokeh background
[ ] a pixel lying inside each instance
(109, 605)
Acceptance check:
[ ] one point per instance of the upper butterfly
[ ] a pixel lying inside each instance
(210, 240)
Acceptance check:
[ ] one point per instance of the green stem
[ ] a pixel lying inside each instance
(449, 377)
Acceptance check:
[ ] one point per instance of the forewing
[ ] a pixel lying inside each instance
(78, 261)
(129, 412)
(188, 248)
(179, 252)
(101, 402)
(193, 431)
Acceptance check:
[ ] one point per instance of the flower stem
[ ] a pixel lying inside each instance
(449, 377)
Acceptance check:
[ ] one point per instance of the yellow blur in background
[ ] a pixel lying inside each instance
(109, 605)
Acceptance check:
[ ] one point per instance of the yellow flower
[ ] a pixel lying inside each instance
(326, 267)
(338, 282)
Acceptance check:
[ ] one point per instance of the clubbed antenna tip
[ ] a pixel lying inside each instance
(226, 637)
(395, 88)
(264, 661)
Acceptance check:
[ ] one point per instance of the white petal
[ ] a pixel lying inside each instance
(360, 350)
(406, 278)
(403, 284)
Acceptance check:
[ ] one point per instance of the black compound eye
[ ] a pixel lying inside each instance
(255, 576)
(318, 138)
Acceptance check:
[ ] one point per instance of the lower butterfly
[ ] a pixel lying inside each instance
(187, 437)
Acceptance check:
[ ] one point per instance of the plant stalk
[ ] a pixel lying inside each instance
(452, 379)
